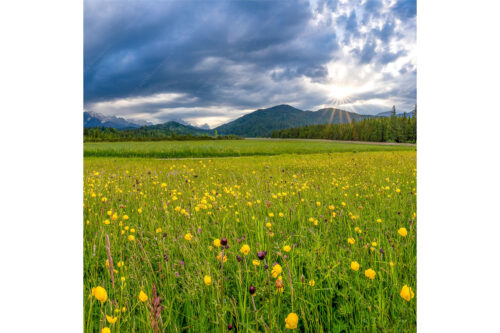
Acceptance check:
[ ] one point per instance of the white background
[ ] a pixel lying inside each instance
(41, 104)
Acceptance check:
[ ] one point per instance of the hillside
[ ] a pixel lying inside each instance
(263, 122)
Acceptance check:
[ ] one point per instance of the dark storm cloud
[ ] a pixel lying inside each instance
(139, 48)
(228, 54)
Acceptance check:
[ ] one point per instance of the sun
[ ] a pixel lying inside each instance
(340, 94)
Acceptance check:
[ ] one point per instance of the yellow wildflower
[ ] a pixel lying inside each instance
(245, 249)
(287, 248)
(188, 236)
(276, 271)
(291, 321)
(208, 280)
(407, 293)
(142, 296)
(100, 294)
(219, 257)
(217, 242)
(354, 266)
(370, 273)
(403, 232)
(111, 320)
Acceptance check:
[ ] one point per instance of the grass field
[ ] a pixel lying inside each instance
(338, 228)
(179, 149)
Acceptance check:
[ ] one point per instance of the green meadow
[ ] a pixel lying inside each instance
(321, 237)
(223, 148)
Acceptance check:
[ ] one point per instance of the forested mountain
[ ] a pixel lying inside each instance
(262, 122)
(167, 130)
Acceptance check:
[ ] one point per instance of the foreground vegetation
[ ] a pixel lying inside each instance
(382, 129)
(226, 148)
(338, 231)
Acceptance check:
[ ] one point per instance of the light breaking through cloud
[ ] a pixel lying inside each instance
(213, 61)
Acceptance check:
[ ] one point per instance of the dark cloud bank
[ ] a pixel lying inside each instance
(198, 59)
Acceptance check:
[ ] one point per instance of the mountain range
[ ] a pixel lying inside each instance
(263, 121)
(260, 123)
(94, 119)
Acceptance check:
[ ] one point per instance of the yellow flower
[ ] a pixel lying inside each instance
(208, 280)
(245, 249)
(158, 230)
(220, 255)
(256, 262)
(287, 248)
(370, 273)
(271, 214)
(105, 330)
(111, 320)
(139, 210)
(403, 232)
(268, 225)
(318, 203)
(131, 238)
(143, 297)
(123, 278)
(407, 293)
(125, 217)
(398, 190)
(351, 241)
(391, 264)
(354, 266)
(379, 221)
(276, 271)
(374, 243)
(101, 294)
(188, 236)
(106, 221)
(291, 321)
(312, 283)
(217, 242)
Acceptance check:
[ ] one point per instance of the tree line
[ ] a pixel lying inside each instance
(380, 129)
(108, 134)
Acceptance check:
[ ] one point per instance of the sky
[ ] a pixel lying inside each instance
(212, 61)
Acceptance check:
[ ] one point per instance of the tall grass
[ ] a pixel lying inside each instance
(324, 199)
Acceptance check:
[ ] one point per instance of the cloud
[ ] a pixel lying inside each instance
(215, 60)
